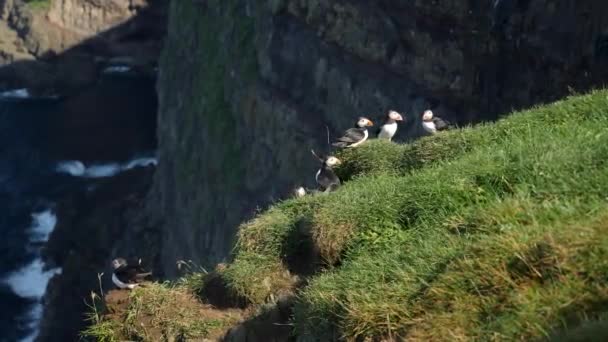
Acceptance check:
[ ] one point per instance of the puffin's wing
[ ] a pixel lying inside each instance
(132, 274)
(328, 179)
(141, 276)
(440, 124)
(352, 135)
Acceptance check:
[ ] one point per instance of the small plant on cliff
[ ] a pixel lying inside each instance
(100, 328)
(41, 5)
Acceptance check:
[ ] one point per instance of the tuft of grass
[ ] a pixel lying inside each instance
(100, 328)
(157, 312)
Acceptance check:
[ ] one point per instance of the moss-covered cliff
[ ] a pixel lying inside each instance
(246, 88)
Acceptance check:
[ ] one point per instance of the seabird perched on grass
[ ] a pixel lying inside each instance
(433, 124)
(325, 177)
(127, 276)
(299, 192)
(388, 130)
(355, 136)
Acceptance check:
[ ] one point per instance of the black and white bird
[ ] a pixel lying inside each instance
(355, 136)
(433, 124)
(389, 129)
(326, 177)
(128, 276)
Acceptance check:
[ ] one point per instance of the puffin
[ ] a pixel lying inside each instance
(388, 130)
(127, 276)
(355, 136)
(325, 177)
(299, 192)
(433, 124)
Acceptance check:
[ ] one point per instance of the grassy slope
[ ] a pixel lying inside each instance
(493, 232)
(498, 232)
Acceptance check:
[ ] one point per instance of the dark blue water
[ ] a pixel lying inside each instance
(113, 121)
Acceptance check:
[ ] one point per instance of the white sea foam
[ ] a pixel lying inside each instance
(33, 317)
(78, 169)
(102, 170)
(15, 94)
(72, 167)
(32, 280)
(140, 162)
(117, 69)
(43, 224)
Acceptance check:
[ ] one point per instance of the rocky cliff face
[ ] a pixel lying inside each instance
(246, 88)
(62, 44)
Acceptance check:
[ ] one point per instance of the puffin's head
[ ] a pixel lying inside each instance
(427, 115)
(118, 263)
(299, 192)
(393, 115)
(364, 122)
(332, 161)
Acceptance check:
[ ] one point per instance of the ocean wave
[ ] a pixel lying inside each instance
(77, 169)
(15, 94)
(31, 281)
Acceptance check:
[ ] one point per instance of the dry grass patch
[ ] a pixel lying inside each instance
(157, 312)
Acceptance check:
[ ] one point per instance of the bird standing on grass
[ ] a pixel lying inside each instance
(325, 177)
(355, 136)
(389, 129)
(433, 124)
(299, 192)
(126, 276)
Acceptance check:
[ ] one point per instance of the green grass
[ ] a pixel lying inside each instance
(158, 312)
(493, 233)
(497, 232)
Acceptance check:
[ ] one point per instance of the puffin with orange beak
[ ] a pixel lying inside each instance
(355, 136)
(388, 130)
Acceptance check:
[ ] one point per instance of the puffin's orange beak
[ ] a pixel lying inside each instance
(369, 123)
(399, 118)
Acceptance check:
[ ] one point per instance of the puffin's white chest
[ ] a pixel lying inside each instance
(429, 126)
(365, 135)
(122, 285)
(388, 131)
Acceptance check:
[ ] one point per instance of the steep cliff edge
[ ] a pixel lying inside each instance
(492, 233)
(246, 89)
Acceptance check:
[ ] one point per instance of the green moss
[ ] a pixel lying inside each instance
(38, 5)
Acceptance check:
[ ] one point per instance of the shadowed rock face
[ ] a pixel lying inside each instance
(246, 88)
(62, 47)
